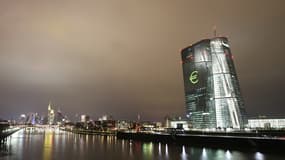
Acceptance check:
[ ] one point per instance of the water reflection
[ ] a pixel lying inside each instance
(50, 144)
(228, 154)
(4, 150)
(159, 149)
(183, 154)
(204, 154)
(147, 150)
(259, 156)
(131, 149)
(166, 151)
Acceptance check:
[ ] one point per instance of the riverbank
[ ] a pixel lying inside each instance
(259, 141)
(214, 141)
(90, 132)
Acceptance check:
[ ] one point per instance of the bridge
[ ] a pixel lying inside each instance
(7, 130)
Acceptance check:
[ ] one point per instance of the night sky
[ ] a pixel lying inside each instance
(121, 57)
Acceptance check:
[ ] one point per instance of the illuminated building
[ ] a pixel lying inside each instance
(176, 122)
(267, 123)
(212, 93)
(51, 115)
(60, 118)
(33, 118)
(84, 118)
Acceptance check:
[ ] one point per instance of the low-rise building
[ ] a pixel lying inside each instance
(266, 123)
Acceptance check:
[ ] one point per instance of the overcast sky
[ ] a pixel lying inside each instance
(121, 57)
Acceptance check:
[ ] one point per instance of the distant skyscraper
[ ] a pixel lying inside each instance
(59, 117)
(84, 118)
(212, 93)
(50, 115)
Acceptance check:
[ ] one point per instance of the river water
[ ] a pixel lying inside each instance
(52, 144)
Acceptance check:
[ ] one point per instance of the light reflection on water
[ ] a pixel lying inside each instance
(259, 156)
(228, 154)
(183, 154)
(166, 150)
(204, 154)
(48, 144)
(54, 144)
(159, 149)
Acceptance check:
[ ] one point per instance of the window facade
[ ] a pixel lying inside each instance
(212, 93)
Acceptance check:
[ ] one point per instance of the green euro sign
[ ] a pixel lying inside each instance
(194, 77)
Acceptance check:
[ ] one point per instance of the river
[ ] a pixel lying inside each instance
(53, 144)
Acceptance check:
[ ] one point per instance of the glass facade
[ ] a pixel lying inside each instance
(212, 94)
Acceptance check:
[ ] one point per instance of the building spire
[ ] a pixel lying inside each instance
(49, 105)
(215, 30)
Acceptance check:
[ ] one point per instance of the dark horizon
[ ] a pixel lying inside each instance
(123, 58)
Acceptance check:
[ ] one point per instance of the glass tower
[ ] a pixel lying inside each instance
(212, 93)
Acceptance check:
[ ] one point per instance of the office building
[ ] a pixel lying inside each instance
(51, 115)
(212, 92)
(266, 123)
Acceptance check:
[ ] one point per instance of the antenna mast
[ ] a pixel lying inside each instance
(215, 30)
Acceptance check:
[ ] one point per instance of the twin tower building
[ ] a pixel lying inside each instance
(212, 92)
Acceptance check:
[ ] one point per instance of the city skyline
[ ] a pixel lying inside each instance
(123, 58)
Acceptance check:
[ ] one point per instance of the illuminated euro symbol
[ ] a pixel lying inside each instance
(194, 77)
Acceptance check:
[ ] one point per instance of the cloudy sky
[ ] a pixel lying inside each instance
(121, 57)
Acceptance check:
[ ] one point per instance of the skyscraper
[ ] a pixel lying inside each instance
(50, 114)
(212, 92)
